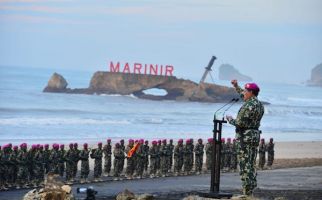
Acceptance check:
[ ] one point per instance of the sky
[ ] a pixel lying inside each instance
(271, 40)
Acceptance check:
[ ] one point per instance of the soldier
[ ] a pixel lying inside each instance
(140, 154)
(159, 159)
(153, 152)
(83, 156)
(146, 158)
(5, 162)
(54, 157)
(97, 154)
(187, 157)
(107, 150)
(31, 154)
(23, 173)
(234, 161)
(247, 124)
(223, 153)
(192, 146)
(118, 159)
(130, 161)
(170, 156)
(61, 163)
(75, 160)
(2, 172)
(46, 158)
(270, 153)
(164, 158)
(228, 152)
(261, 154)
(199, 156)
(14, 164)
(178, 157)
(122, 146)
(69, 163)
(38, 167)
(209, 153)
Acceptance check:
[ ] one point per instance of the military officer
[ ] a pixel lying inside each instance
(247, 125)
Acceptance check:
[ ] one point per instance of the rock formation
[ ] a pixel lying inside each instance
(127, 84)
(316, 76)
(56, 83)
(228, 72)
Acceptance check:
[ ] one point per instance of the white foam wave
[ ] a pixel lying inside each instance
(58, 121)
(118, 95)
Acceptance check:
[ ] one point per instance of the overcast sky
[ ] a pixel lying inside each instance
(271, 40)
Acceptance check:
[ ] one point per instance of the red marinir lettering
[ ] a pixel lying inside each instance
(114, 68)
(137, 67)
(153, 70)
(126, 68)
(169, 69)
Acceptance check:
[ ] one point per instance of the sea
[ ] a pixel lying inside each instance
(29, 115)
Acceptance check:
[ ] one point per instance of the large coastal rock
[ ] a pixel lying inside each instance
(136, 84)
(56, 83)
(316, 76)
(228, 72)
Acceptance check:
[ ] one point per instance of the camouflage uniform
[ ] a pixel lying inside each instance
(5, 163)
(270, 153)
(84, 156)
(118, 159)
(170, 156)
(199, 151)
(154, 154)
(234, 160)
(14, 164)
(22, 160)
(187, 161)
(122, 160)
(69, 163)
(261, 155)
(61, 163)
(247, 136)
(140, 157)
(178, 157)
(2, 172)
(46, 158)
(31, 153)
(209, 153)
(223, 153)
(159, 158)
(146, 158)
(75, 160)
(228, 153)
(107, 150)
(192, 147)
(164, 151)
(130, 161)
(38, 168)
(54, 157)
(97, 154)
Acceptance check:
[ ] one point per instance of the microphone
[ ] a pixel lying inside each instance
(233, 100)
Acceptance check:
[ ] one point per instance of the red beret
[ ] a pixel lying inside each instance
(251, 86)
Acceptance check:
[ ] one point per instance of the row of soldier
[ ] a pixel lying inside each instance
(23, 167)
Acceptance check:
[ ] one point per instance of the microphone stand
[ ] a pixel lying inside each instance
(216, 155)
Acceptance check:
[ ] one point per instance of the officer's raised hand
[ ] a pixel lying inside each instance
(234, 83)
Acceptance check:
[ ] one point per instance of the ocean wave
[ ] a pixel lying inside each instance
(293, 110)
(23, 121)
(118, 95)
(46, 110)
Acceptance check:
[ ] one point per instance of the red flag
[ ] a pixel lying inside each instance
(133, 150)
